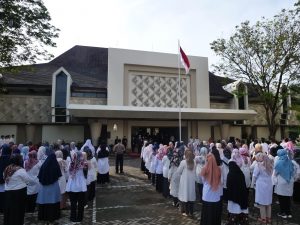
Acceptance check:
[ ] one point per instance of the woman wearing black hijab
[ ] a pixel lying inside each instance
(4, 162)
(237, 195)
(49, 193)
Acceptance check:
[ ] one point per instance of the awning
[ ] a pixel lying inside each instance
(131, 112)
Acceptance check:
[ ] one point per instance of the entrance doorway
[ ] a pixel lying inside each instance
(161, 135)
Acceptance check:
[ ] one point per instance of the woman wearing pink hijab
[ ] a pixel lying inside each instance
(235, 156)
(246, 163)
(32, 168)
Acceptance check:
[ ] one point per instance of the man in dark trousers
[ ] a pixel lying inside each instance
(119, 150)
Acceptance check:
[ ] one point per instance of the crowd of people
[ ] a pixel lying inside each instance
(50, 178)
(224, 173)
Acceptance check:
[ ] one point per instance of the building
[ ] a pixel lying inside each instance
(107, 93)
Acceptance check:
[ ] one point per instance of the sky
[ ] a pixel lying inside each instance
(155, 25)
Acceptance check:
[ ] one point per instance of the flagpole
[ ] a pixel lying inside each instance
(179, 93)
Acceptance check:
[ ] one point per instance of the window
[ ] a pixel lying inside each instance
(61, 90)
(89, 94)
(241, 98)
(60, 97)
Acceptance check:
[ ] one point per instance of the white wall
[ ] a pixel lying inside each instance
(67, 133)
(262, 132)
(217, 133)
(235, 131)
(204, 130)
(117, 58)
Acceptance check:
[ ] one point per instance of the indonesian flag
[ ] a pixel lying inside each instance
(185, 61)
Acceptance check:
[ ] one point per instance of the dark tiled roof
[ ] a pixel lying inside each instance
(38, 74)
(84, 60)
(216, 84)
(41, 75)
(80, 61)
(252, 93)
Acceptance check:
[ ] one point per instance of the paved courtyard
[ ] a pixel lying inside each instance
(131, 199)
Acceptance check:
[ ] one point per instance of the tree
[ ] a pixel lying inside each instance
(25, 32)
(267, 56)
(297, 6)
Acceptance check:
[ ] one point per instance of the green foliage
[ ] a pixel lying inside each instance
(266, 55)
(25, 32)
(297, 6)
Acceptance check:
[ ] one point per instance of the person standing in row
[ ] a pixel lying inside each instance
(237, 194)
(187, 192)
(143, 168)
(91, 175)
(76, 186)
(119, 150)
(103, 163)
(166, 166)
(212, 192)
(200, 161)
(49, 197)
(284, 174)
(62, 180)
(4, 162)
(153, 163)
(262, 182)
(16, 180)
(32, 168)
(159, 169)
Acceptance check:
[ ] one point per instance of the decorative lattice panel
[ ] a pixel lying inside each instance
(148, 90)
(25, 109)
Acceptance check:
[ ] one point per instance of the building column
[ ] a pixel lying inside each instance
(30, 132)
(204, 130)
(225, 131)
(125, 132)
(194, 129)
(249, 131)
(95, 126)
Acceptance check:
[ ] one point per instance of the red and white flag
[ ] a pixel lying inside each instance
(185, 61)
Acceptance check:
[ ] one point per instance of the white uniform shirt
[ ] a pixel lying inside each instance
(166, 165)
(17, 181)
(33, 185)
(158, 166)
(77, 183)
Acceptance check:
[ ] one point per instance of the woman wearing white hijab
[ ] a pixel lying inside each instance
(89, 144)
(200, 161)
(63, 165)
(41, 155)
(187, 192)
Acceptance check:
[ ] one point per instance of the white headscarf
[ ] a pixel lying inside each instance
(41, 154)
(89, 144)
